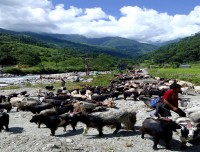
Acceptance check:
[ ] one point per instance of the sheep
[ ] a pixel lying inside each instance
(4, 121)
(197, 89)
(159, 129)
(147, 76)
(54, 102)
(111, 118)
(83, 106)
(15, 100)
(65, 109)
(24, 105)
(49, 87)
(101, 97)
(184, 90)
(52, 122)
(88, 94)
(165, 87)
(188, 131)
(79, 97)
(2, 98)
(92, 106)
(74, 92)
(114, 94)
(6, 105)
(128, 93)
(47, 112)
(38, 108)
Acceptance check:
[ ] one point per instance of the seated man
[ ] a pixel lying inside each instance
(170, 102)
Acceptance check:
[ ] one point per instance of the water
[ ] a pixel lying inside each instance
(18, 79)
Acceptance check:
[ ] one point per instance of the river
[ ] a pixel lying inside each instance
(18, 79)
(69, 76)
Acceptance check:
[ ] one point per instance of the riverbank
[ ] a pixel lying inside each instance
(8, 80)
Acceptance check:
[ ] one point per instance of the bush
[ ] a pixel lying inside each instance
(13, 70)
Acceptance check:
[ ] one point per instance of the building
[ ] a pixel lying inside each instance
(184, 66)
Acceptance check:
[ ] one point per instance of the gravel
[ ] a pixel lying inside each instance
(26, 137)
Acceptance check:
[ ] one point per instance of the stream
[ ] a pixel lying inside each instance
(16, 80)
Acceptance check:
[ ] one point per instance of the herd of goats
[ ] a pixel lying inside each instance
(95, 107)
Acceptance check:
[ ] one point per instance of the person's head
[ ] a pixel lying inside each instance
(176, 87)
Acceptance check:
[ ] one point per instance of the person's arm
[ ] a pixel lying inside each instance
(170, 105)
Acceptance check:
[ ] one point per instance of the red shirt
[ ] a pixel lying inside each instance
(171, 97)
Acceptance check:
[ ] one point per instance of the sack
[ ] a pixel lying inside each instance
(154, 101)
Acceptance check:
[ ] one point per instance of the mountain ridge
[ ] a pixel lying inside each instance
(119, 46)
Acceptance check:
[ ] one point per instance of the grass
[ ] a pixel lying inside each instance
(186, 74)
(10, 87)
(99, 80)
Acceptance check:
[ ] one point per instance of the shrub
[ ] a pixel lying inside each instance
(13, 70)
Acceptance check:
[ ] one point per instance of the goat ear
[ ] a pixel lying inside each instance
(182, 127)
(194, 128)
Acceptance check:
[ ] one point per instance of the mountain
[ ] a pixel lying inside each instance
(22, 54)
(159, 44)
(50, 42)
(115, 46)
(127, 46)
(184, 51)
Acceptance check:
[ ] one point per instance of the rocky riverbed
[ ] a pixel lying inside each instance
(8, 79)
(26, 137)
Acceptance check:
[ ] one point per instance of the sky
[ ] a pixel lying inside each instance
(141, 20)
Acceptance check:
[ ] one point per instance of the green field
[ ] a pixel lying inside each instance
(188, 74)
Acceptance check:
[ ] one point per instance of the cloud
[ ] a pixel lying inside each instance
(136, 23)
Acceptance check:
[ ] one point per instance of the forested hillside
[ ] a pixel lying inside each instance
(115, 46)
(27, 54)
(186, 50)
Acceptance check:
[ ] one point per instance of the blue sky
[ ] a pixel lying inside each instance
(141, 20)
(172, 7)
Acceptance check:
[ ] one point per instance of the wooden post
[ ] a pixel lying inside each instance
(86, 66)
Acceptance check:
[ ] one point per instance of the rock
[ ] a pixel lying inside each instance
(69, 140)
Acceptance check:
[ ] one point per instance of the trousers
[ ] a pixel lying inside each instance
(164, 110)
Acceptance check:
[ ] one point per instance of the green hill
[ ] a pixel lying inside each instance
(29, 54)
(187, 50)
(114, 46)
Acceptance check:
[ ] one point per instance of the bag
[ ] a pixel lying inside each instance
(154, 101)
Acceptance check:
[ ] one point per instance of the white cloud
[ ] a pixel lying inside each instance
(136, 23)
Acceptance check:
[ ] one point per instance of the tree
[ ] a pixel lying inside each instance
(30, 59)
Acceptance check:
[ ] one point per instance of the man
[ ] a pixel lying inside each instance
(170, 102)
(62, 82)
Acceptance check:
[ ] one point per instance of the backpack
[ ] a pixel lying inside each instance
(154, 101)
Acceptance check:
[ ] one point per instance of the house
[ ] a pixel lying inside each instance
(184, 66)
